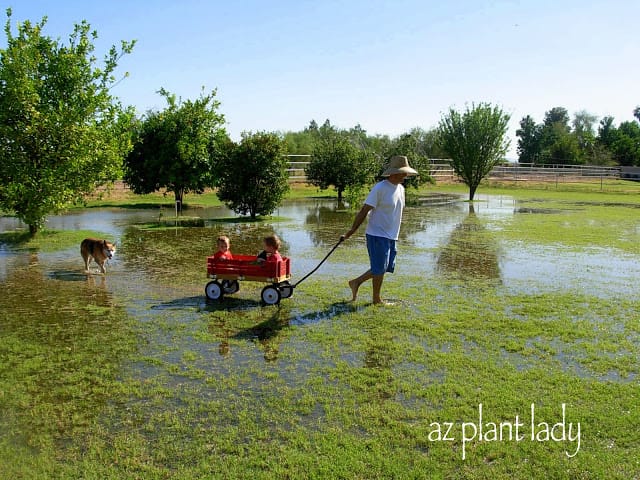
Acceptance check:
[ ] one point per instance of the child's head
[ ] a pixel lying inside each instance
(223, 243)
(271, 243)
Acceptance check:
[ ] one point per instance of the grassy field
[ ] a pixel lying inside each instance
(464, 377)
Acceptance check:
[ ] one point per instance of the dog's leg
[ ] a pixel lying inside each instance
(104, 270)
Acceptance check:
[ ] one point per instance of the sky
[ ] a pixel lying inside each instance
(387, 65)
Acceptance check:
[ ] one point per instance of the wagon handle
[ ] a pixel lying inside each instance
(321, 262)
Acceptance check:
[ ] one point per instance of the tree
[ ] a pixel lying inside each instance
(528, 141)
(418, 146)
(557, 143)
(607, 132)
(583, 123)
(253, 178)
(559, 146)
(626, 146)
(622, 142)
(62, 133)
(177, 148)
(338, 160)
(636, 112)
(475, 140)
(557, 116)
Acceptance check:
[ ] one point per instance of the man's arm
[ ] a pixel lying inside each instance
(360, 216)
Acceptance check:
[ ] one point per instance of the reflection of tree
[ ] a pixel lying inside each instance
(62, 342)
(325, 224)
(378, 359)
(170, 253)
(471, 251)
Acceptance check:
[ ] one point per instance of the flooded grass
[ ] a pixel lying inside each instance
(135, 375)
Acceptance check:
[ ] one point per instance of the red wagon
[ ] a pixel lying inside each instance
(226, 275)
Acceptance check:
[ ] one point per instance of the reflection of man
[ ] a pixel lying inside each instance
(385, 202)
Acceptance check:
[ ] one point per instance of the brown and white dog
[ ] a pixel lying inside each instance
(98, 250)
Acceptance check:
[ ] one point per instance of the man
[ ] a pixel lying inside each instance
(384, 206)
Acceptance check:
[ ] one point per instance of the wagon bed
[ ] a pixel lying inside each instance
(226, 275)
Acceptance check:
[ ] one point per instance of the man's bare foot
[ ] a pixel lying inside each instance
(354, 289)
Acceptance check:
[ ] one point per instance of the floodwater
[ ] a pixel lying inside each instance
(442, 237)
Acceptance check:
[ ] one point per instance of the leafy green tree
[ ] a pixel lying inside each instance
(583, 130)
(253, 178)
(626, 147)
(475, 140)
(299, 143)
(622, 142)
(607, 132)
(339, 160)
(558, 145)
(62, 133)
(528, 140)
(636, 113)
(557, 116)
(418, 146)
(177, 148)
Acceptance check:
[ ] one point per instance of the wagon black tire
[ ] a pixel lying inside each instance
(230, 286)
(286, 289)
(270, 295)
(213, 290)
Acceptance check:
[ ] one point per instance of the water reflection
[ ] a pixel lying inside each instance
(471, 251)
(324, 222)
(62, 340)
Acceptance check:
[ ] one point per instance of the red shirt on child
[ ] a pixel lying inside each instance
(223, 255)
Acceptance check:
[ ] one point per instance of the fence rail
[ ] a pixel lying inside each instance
(441, 170)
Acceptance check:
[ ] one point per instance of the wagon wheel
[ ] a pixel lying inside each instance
(270, 295)
(213, 290)
(230, 286)
(286, 289)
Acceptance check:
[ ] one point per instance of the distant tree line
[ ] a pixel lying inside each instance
(579, 141)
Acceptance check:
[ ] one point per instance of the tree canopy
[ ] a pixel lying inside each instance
(475, 141)
(253, 177)
(177, 148)
(558, 141)
(340, 160)
(62, 132)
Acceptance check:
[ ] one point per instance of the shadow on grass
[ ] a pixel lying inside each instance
(202, 302)
(69, 275)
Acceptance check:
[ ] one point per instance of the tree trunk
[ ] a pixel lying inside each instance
(472, 192)
(33, 229)
(179, 195)
(340, 190)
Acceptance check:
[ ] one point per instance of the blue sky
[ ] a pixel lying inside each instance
(386, 65)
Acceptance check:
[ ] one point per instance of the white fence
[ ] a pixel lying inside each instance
(441, 170)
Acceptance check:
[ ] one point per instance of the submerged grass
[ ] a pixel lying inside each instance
(47, 240)
(161, 384)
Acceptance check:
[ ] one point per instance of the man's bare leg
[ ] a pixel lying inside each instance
(377, 286)
(356, 282)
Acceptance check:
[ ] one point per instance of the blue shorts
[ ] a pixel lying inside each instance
(382, 254)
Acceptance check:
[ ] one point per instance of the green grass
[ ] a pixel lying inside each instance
(362, 400)
(47, 240)
(99, 386)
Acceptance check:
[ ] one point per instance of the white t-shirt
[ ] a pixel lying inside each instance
(387, 201)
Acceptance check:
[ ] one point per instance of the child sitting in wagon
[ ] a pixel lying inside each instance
(223, 253)
(270, 253)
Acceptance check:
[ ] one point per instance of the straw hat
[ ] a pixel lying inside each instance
(399, 164)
